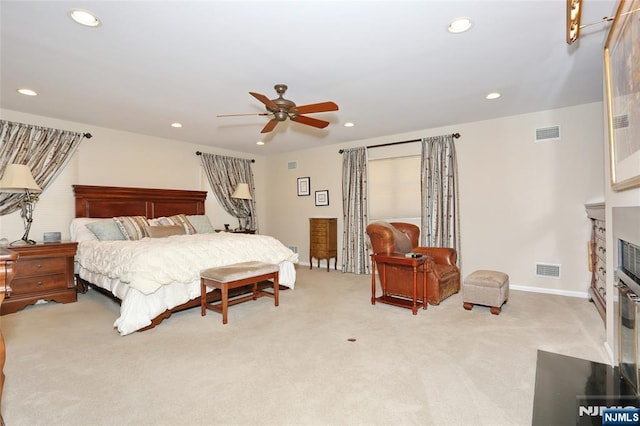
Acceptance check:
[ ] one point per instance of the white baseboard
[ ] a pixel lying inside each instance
(580, 294)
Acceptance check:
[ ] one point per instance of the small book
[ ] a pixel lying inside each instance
(413, 255)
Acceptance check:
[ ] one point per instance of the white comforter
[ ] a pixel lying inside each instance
(155, 274)
(150, 263)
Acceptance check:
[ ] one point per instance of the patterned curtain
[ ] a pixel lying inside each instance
(224, 174)
(440, 201)
(45, 151)
(355, 257)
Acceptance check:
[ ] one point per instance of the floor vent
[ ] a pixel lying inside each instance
(292, 165)
(548, 270)
(547, 134)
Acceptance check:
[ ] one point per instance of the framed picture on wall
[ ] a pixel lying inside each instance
(304, 186)
(622, 71)
(322, 197)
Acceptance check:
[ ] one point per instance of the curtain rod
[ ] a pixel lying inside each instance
(455, 136)
(200, 153)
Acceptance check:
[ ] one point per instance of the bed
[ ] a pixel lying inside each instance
(153, 277)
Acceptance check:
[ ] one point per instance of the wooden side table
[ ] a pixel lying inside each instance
(398, 260)
(7, 271)
(44, 271)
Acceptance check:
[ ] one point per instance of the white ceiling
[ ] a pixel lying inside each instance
(391, 66)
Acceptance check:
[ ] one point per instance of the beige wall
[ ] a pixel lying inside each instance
(117, 158)
(521, 202)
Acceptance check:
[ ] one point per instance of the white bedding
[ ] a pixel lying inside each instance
(155, 274)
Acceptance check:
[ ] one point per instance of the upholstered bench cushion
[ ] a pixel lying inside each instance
(486, 278)
(238, 271)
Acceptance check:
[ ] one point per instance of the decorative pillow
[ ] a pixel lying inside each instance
(182, 220)
(201, 223)
(132, 227)
(159, 221)
(106, 230)
(165, 231)
(401, 241)
(78, 230)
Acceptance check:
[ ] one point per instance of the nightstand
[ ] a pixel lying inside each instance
(44, 271)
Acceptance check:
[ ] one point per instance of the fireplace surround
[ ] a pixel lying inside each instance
(626, 233)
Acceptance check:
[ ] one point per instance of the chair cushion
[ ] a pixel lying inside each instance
(402, 243)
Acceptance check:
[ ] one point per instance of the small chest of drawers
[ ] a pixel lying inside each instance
(323, 239)
(43, 272)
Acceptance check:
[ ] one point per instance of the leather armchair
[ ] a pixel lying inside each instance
(443, 276)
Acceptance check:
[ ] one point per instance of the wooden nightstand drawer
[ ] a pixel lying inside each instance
(41, 266)
(38, 284)
(44, 271)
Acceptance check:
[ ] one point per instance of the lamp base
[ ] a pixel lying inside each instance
(22, 242)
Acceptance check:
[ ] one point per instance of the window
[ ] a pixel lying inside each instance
(394, 188)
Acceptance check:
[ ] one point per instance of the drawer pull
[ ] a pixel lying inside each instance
(39, 284)
(39, 266)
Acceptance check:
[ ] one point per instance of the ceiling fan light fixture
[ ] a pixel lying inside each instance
(260, 143)
(459, 25)
(349, 124)
(493, 95)
(84, 17)
(176, 125)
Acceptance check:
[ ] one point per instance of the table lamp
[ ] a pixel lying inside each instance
(17, 178)
(242, 193)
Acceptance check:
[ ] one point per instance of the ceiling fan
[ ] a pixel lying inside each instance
(280, 109)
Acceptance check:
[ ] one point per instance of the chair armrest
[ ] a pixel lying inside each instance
(440, 255)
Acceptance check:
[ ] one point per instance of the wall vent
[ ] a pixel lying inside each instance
(293, 248)
(548, 270)
(292, 165)
(551, 133)
(621, 121)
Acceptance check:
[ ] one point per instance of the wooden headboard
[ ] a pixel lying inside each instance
(110, 201)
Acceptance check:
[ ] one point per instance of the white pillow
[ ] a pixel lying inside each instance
(79, 231)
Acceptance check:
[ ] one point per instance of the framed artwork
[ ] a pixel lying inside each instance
(622, 78)
(322, 197)
(304, 186)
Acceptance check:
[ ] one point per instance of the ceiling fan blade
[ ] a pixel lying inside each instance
(262, 98)
(238, 115)
(319, 107)
(320, 124)
(270, 126)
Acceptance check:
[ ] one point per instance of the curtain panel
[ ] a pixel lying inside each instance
(224, 174)
(440, 218)
(45, 151)
(355, 255)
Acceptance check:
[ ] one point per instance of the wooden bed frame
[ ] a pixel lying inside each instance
(110, 201)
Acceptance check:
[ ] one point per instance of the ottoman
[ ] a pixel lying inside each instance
(488, 288)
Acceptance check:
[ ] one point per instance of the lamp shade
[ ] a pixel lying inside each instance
(242, 192)
(18, 178)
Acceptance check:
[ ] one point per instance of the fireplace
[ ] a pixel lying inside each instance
(626, 226)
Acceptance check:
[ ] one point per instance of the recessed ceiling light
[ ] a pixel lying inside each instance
(27, 92)
(259, 143)
(176, 125)
(459, 25)
(84, 17)
(493, 95)
(349, 124)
